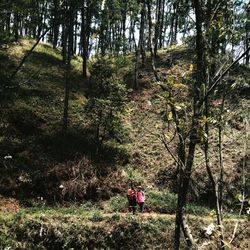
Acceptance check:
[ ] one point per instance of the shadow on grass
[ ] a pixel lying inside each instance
(44, 58)
(61, 147)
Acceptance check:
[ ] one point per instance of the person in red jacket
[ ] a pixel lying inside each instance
(131, 195)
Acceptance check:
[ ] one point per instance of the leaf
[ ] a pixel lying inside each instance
(170, 116)
(204, 119)
(178, 85)
(191, 67)
(158, 125)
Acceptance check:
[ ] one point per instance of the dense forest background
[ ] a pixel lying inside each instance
(97, 95)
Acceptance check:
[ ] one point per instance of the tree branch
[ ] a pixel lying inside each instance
(217, 82)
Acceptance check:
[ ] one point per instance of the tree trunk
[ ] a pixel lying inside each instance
(55, 21)
(16, 26)
(161, 35)
(216, 184)
(150, 40)
(64, 42)
(68, 68)
(247, 28)
(84, 44)
(157, 26)
(124, 18)
(142, 29)
(200, 78)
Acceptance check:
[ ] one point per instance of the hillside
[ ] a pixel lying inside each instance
(48, 176)
(43, 157)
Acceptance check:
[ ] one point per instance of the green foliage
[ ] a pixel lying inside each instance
(197, 209)
(115, 217)
(117, 203)
(5, 37)
(107, 101)
(160, 201)
(134, 175)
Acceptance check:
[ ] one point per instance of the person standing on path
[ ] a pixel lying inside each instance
(140, 198)
(131, 195)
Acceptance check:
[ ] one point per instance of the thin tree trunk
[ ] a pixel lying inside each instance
(83, 41)
(64, 42)
(200, 78)
(247, 28)
(16, 26)
(55, 20)
(124, 18)
(150, 41)
(157, 26)
(161, 35)
(68, 68)
(142, 29)
(137, 58)
(176, 20)
(131, 32)
(216, 184)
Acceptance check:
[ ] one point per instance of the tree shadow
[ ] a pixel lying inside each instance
(44, 58)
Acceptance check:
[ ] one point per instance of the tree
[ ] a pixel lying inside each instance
(106, 102)
(193, 138)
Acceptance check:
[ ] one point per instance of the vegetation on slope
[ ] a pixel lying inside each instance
(44, 158)
(60, 167)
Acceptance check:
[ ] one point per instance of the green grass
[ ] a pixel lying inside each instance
(156, 201)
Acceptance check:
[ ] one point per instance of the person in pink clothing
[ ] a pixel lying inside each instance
(140, 198)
